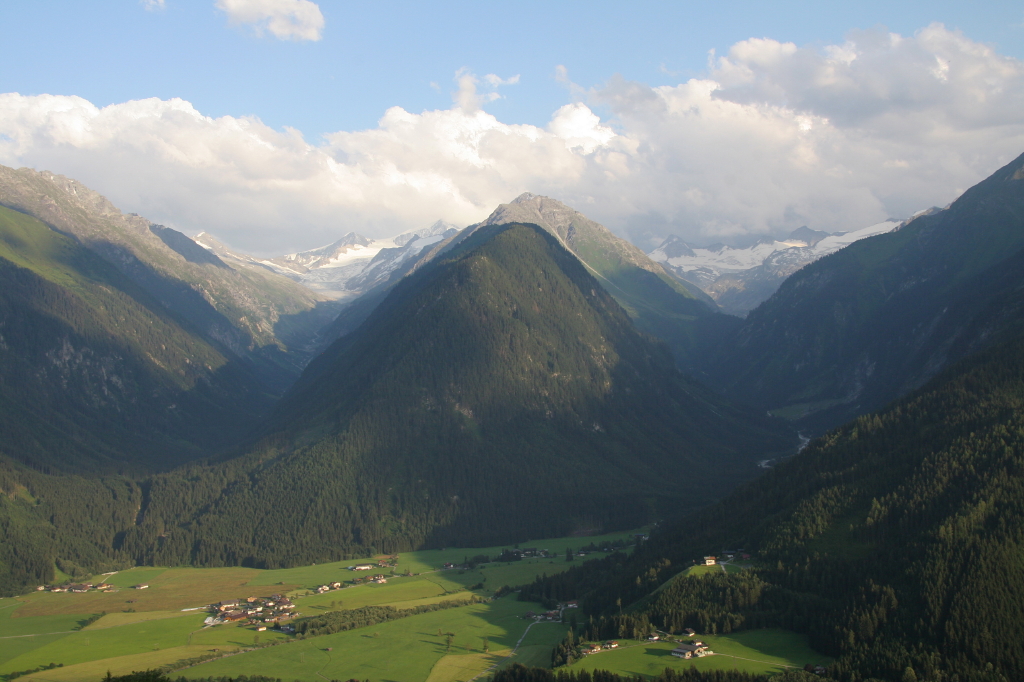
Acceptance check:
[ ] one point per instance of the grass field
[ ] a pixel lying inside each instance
(92, 645)
(169, 589)
(753, 651)
(422, 561)
(701, 569)
(148, 628)
(22, 636)
(406, 649)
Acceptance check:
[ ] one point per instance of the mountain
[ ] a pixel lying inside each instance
(351, 266)
(739, 279)
(255, 315)
(858, 328)
(895, 542)
(496, 394)
(677, 312)
(96, 375)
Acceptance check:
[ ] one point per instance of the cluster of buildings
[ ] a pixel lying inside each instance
(78, 587)
(694, 649)
(594, 648)
(328, 587)
(258, 611)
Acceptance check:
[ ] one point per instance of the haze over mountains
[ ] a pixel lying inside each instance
(348, 267)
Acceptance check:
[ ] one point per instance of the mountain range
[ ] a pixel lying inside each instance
(166, 401)
(862, 326)
(498, 392)
(126, 344)
(347, 268)
(740, 279)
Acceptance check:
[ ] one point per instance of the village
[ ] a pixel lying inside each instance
(262, 612)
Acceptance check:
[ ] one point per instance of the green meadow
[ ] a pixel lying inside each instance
(755, 651)
(405, 649)
(158, 627)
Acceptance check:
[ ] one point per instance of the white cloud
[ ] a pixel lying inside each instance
(467, 96)
(774, 137)
(152, 5)
(285, 19)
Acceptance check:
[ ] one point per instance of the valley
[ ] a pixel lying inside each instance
(186, 427)
(162, 626)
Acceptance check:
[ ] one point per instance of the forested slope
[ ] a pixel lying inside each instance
(895, 541)
(496, 394)
(849, 333)
(97, 376)
(679, 313)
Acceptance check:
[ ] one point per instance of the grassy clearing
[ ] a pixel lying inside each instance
(754, 651)
(701, 569)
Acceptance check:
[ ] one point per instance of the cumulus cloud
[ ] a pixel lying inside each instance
(774, 136)
(285, 19)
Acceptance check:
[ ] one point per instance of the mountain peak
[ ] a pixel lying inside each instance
(526, 197)
(808, 236)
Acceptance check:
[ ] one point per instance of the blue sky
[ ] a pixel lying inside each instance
(374, 55)
(608, 57)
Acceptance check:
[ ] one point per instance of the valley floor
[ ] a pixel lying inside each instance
(49, 637)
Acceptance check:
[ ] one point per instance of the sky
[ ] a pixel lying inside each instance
(280, 125)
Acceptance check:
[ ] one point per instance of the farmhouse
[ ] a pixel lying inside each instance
(140, 586)
(697, 649)
(710, 560)
(689, 632)
(362, 567)
(572, 604)
(611, 644)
